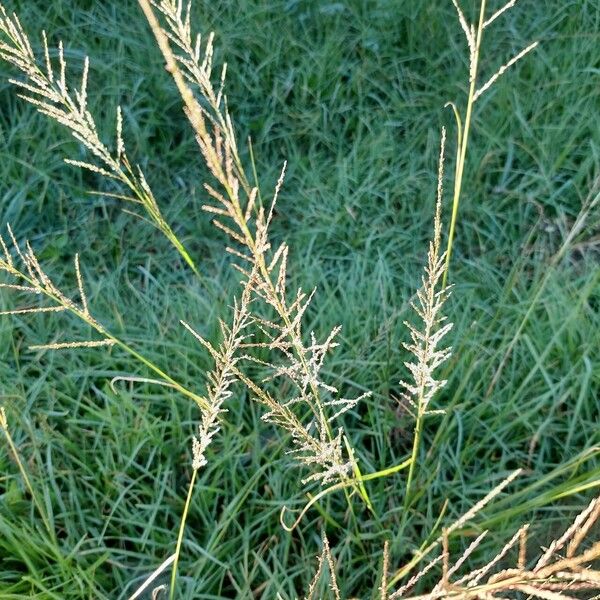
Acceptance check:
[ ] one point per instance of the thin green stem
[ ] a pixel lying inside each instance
(24, 474)
(461, 151)
(186, 509)
(413, 456)
(342, 485)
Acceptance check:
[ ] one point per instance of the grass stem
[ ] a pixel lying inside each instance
(184, 516)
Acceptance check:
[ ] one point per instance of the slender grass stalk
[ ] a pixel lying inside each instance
(50, 94)
(13, 448)
(184, 517)
(413, 460)
(463, 138)
(425, 384)
(474, 38)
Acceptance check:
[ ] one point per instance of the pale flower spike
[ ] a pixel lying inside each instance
(223, 375)
(499, 12)
(324, 558)
(486, 86)
(426, 339)
(73, 345)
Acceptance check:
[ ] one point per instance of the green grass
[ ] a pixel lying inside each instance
(352, 95)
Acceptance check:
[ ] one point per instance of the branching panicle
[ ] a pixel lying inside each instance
(474, 34)
(52, 97)
(239, 214)
(222, 376)
(426, 339)
(29, 277)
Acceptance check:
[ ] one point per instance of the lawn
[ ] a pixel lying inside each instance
(351, 94)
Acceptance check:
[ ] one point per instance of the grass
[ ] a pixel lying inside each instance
(351, 95)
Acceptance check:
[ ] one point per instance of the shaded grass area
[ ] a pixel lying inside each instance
(351, 94)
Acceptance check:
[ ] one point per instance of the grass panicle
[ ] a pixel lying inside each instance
(316, 444)
(474, 36)
(45, 87)
(425, 340)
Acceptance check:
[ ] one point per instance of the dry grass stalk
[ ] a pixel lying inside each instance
(324, 558)
(384, 571)
(553, 577)
(457, 524)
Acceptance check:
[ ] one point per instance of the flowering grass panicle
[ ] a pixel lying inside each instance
(46, 88)
(239, 212)
(474, 36)
(427, 355)
(222, 377)
(27, 277)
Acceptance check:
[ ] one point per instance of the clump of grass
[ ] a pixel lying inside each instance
(269, 319)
